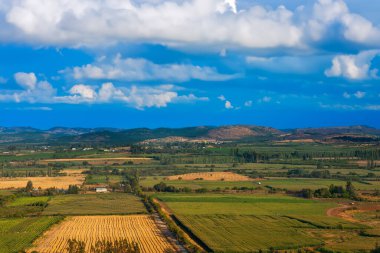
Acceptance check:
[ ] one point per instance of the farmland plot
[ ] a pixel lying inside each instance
(212, 176)
(135, 228)
(18, 233)
(43, 182)
(95, 204)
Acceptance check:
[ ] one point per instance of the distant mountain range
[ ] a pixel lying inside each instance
(114, 136)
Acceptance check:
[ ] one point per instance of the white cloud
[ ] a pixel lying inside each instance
(84, 91)
(228, 105)
(192, 23)
(26, 80)
(248, 103)
(213, 24)
(138, 69)
(327, 14)
(359, 94)
(222, 98)
(139, 97)
(354, 67)
(227, 5)
(42, 92)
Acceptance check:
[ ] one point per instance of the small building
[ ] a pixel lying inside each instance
(101, 189)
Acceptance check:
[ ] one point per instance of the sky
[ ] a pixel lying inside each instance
(176, 63)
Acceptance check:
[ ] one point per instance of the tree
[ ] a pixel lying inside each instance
(29, 186)
(350, 189)
(307, 193)
(73, 189)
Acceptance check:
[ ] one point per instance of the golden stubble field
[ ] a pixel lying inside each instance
(141, 229)
(43, 182)
(211, 176)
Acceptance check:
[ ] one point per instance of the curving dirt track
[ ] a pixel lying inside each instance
(346, 211)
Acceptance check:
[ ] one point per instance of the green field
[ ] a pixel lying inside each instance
(196, 184)
(25, 201)
(246, 233)
(102, 179)
(297, 184)
(246, 223)
(18, 233)
(94, 204)
(243, 204)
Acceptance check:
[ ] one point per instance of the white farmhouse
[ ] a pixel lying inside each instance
(101, 189)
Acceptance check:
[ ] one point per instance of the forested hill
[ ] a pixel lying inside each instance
(114, 136)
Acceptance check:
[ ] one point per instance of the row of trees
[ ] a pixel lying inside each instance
(30, 190)
(333, 191)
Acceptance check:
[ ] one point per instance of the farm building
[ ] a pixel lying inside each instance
(101, 189)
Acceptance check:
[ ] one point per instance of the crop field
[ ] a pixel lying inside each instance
(197, 184)
(211, 176)
(18, 233)
(95, 204)
(243, 204)
(135, 228)
(97, 160)
(43, 182)
(102, 179)
(247, 233)
(295, 184)
(246, 223)
(24, 201)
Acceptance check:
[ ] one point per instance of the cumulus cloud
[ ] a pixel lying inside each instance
(139, 97)
(184, 23)
(26, 80)
(228, 105)
(84, 91)
(222, 98)
(353, 27)
(175, 23)
(42, 92)
(138, 69)
(354, 67)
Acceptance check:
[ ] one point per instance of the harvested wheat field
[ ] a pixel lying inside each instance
(141, 229)
(211, 176)
(43, 182)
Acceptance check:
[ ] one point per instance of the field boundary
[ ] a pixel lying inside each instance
(181, 235)
(190, 233)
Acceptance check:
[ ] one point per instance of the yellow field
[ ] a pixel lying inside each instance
(211, 176)
(43, 182)
(137, 228)
(73, 172)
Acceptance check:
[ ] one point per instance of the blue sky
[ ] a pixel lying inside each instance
(154, 63)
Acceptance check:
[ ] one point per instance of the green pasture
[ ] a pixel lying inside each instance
(18, 233)
(248, 223)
